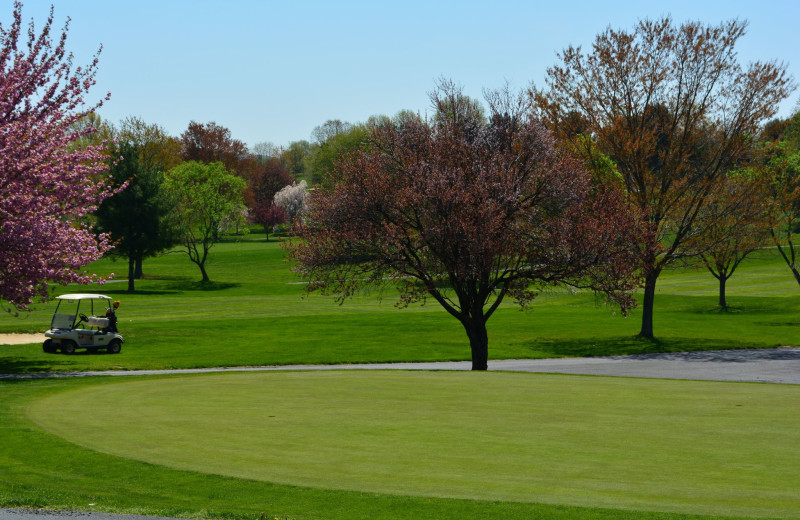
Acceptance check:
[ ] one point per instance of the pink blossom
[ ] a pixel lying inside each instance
(48, 184)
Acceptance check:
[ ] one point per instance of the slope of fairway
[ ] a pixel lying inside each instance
(650, 445)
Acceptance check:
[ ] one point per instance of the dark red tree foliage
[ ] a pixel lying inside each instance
(466, 212)
(210, 142)
(263, 183)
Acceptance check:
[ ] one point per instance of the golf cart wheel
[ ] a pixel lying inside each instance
(48, 347)
(114, 346)
(68, 346)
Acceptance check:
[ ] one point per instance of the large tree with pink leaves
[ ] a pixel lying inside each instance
(467, 211)
(49, 182)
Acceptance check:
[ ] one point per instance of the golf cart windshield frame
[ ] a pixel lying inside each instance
(68, 321)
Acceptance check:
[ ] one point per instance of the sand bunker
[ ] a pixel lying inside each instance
(21, 339)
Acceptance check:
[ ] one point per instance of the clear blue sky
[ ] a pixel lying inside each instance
(272, 71)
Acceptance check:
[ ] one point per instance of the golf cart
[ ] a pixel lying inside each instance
(71, 328)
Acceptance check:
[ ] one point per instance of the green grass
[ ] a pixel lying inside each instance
(321, 445)
(695, 445)
(253, 313)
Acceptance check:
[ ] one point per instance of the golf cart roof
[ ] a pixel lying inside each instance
(83, 296)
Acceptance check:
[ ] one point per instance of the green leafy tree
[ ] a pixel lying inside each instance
(208, 201)
(329, 129)
(295, 158)
(784, 198)
(324, 156)
(735, 225)
(136, 218)
(157, 149)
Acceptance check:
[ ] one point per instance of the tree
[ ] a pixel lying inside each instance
(94, 131)
(329, 129)
(209, 201)
(783, 195)
(269, 216)
(674, 110)
(264, 151)
(735, 225)
(456, 107)
(323, 156)
(293, 199)
(466, 212)
(156, 148)
(295, 156)
(49, 182)
(266, 180)
(785, 221)
(211, 142)
(136, 218)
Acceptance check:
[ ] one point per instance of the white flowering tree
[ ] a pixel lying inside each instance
(293, 199)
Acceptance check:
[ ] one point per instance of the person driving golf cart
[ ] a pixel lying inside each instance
(112, 318)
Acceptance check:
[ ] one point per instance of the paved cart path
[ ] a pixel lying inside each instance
(778, 365)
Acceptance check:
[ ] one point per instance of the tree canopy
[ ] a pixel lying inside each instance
(674, 110)
(137, 218)
(211, 142)
(782, 169)
(208, 201)
(267, 179)
(326, 151)
(466, 211)
(49, 180)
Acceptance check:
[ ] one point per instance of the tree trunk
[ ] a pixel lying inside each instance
(788, 258)
(478, 342)
(202, 267)
(722, 281)
(647, 305)
(796, 273)
(266, 230)
(138, 273)
(131, 271)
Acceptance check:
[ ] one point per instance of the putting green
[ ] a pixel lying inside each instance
(655, 445)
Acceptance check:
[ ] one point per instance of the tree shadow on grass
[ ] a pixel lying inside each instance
(145, 292)
(19, 365)
(171, 285)
(627, 345)
(187, 285)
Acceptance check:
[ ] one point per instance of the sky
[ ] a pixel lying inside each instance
(271, 71)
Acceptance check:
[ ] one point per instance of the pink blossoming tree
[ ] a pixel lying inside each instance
(48, 182)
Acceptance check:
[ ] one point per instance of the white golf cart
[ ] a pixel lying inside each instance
(99, 330)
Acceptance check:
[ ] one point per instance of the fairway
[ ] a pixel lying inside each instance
(646, 445)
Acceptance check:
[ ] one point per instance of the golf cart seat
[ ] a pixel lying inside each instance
(97, 321)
